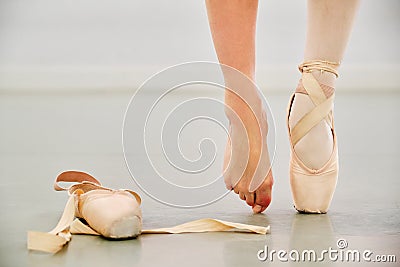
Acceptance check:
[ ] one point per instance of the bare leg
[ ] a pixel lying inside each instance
(329, 24)
(233, 27)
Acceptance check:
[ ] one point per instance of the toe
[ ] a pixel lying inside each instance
(236, 190)
(262, 197)
(259, 209)
(263, 208)
(250, 199)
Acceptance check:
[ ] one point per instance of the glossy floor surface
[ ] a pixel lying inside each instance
(44, 134)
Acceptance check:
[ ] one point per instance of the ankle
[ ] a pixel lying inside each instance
(325, 72)
(246, 109)
(325, 78)
(326, 82)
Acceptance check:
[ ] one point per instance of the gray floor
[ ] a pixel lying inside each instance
(42, 135)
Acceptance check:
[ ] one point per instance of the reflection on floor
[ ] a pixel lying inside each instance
(42, 135)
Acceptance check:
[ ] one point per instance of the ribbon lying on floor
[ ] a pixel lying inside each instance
(68, 224)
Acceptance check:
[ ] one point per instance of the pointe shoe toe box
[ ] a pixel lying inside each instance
(113, 214)
(312, 192)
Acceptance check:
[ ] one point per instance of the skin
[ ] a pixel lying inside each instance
(233, 28)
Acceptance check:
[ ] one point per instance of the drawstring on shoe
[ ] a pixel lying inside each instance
(321, 65)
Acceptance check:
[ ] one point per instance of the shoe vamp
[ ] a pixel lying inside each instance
(101, 208)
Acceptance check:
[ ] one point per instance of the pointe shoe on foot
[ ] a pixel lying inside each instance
(313, 189)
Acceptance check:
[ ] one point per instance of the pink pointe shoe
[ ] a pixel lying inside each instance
(313, 189)
(91, 209)
(115, 214)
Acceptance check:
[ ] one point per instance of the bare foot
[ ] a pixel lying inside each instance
(247, 165)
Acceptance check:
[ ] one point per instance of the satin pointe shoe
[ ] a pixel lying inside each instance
(91, 209)
(313, 189)
(112, 213)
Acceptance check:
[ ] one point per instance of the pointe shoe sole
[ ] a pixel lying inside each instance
(128, 227)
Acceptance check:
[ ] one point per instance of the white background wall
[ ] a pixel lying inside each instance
(57, 45)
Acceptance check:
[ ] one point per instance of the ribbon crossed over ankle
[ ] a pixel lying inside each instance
(323, 105)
